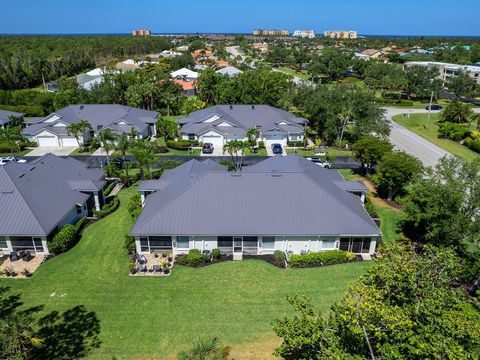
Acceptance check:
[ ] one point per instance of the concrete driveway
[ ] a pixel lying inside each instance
(217, 151)
(60, 151)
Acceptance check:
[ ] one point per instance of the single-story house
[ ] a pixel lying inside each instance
(282, 203)
(184, 74)
(230, 71)
(189, 87)
(39, 197)
(6, 117)
(86, 81)
(52, 131)
(222, 123)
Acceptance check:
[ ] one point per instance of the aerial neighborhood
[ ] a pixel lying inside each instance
(289, 192)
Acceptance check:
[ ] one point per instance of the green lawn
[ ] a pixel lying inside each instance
(261, 152)
(417, 124)
(292, 72)
(331, 152)
(19, 153)
(152, 317)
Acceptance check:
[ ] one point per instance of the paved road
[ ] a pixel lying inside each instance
(414, 144)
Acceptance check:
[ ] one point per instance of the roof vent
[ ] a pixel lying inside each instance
(277, 175)
(231, 107)
(81, 107)
(253, 107)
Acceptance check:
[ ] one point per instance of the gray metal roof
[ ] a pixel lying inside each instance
(241, 118)
(279, 196)
(36, 196)
(354, 186)
(98, 115)
(5, 116)
(229, 71)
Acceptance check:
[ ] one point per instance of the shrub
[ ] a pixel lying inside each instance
(181, 144)
(135, 206)
(228, 164)
(194, 258)
(297, 143)
(129, 243)
(67, 237)
(321, 258)
(279, 258)
(109, 208)
(453, 131)
(216, 254)
(159, 148)
(261, 145)
(472, 144)
(109, 188)
(371, 209)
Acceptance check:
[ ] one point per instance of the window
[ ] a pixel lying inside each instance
(366, 245)
(294, 138)
(268, 242)
(328, 244)
(191, 137)
(225, 241)
(345, 244)
(144, 245)
(3, 242)
(38, 244)
(183, 242)
(79, 209)
(160, 243)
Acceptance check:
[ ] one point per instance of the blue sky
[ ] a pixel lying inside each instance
(407, 17)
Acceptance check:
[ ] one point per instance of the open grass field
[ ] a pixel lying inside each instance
(152, 317)
(417, 124)
(291, 72)
(331, 152)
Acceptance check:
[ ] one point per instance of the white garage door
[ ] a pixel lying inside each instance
(275, 139)
(216, 140)
(69, 141)
(47, 141)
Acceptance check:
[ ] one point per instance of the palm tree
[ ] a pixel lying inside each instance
(345, 116)
(11, 135)
(77, 129)
(236, 149)
(17, 336)
(106, 138)
(144, 155)
(123, 144)
(252, 135)
(205, 349)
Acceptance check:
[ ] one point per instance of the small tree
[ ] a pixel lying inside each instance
(11, 136)
(457, 112)
(369, 150)
(395, 171)
(236, 149)
(252, 135)
(107, 138)
(462, 85)
(77, 129)
(167, 128)
(205, 349)
(145, 156)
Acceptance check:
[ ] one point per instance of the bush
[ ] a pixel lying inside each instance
(297, 143)
(194, 258)
(159, 148)
(472, 144)
(181, 144)
(109, 208)
(321, 258)
(371, 210)
(453, 131)
(261, 145)
(135, 205)
(279, 258)
(109, 188)
(216, 254)
(67, 237)
(228, 164)
(129, 244)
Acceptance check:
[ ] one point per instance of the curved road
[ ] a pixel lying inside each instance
(413, 144)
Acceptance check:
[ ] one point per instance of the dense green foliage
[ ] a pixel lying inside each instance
(457, 112)
(67, 237)
(404, 308)
(320, 258)
(194, 258)
(26, 59)
(110, 206)
(369, 150)
(135, 205)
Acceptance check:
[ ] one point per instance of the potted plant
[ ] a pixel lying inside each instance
(170, 259)
(166, 267)
(26, 273)
(133, 269)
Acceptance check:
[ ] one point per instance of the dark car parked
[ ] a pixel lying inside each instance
(207, 148)
(277, 149)
(433, 107)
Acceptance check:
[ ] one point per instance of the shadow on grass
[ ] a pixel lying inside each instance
(68, 335)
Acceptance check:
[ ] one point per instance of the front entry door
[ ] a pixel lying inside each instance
(237, 245)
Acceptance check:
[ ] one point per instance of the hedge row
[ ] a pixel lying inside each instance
(321, 258)
(181, 144)
(108, 208)
(67, 237)
(194, 258)
(109, 188)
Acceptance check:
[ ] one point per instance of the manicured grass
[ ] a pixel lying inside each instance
(292, 72)
(261, 152)
(417, 123)
(174, 152)
(78, 152)
(152, 317)
(331, 152)
(19, 153)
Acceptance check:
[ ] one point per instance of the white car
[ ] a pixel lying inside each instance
(320, 162)
(8, 159)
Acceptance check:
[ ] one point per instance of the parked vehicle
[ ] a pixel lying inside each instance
(7, 159)
(433, 107)
(277, 149)
(207, 148)
(320, 162)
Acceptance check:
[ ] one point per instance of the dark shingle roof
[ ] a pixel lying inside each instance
(279, 196)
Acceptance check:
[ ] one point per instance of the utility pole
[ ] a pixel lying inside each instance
(429, 111)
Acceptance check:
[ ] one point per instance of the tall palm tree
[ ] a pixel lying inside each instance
(236, 149)
(205, 349)
(345, 116)
(11, 135)
(123, 144)
(252, 135)
(107, 138)
(144, 155)
(77, 129)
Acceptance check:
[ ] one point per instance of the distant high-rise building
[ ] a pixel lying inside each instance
(263, 32)
(143, 32)
(304, 33)
(340, 34)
